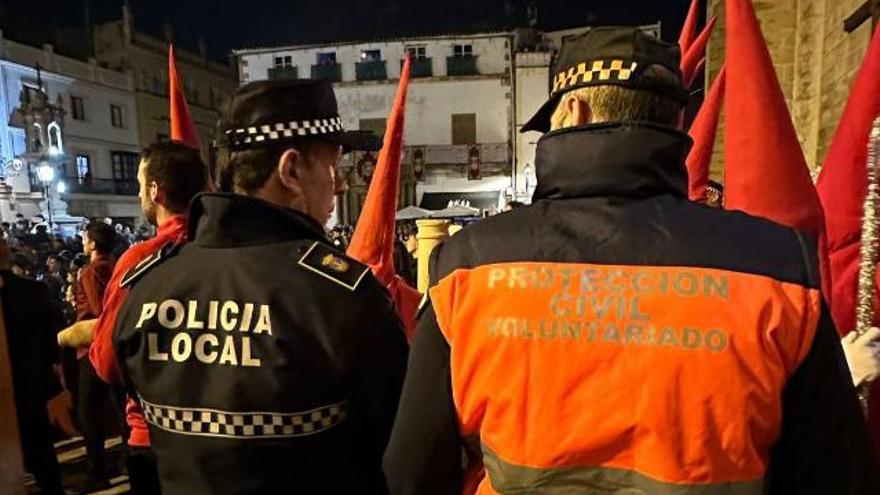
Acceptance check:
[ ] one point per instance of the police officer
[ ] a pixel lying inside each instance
(265, 360)
(614, 337)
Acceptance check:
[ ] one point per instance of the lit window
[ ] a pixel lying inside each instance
(83, 168)
(326, 58)
(371, 55)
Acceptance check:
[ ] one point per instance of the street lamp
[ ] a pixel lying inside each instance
(46, 174)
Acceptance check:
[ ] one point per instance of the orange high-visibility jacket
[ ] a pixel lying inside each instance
(614, 337)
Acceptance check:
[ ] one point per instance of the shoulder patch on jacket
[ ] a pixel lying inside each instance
(330, 264)
(146, 264)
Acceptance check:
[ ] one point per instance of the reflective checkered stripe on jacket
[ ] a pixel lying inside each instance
(243, 425)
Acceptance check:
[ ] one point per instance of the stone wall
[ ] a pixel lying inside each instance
(815, 61)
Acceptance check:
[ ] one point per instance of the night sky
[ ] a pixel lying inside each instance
(229, 24)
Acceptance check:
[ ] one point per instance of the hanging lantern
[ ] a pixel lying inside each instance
(418, 164)
(474, 162)
(366, 166)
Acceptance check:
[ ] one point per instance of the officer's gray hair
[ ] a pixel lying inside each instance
(246, 171)
(612, 103)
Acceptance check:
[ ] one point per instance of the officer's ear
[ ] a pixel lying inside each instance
(577, 110)
(289, 169)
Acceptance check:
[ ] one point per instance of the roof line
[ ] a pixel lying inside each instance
(266, 49)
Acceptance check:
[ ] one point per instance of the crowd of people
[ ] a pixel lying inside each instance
(611, 337)
(75, 271)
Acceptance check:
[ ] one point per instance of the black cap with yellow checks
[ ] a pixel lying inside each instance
(609, 55)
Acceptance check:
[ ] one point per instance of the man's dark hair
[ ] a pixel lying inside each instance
(248, 170)
(178, 169)
(103, 236)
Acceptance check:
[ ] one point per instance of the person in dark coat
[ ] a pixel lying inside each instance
(267, 356)
(615, 337)
(32, 322)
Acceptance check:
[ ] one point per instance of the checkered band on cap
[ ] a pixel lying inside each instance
(282, 130)
(593, 72)
(243, 425)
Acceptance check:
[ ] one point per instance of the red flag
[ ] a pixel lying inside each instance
(761, 146)
(703, 132)
(694, 58)
(843, 184)
(842, 187)
(182, 126)
(374, 235)
(689, 30)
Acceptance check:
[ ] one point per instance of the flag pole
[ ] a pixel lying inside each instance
(869, 248)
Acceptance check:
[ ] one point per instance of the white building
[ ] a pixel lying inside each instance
(468, 98)
(96, 154)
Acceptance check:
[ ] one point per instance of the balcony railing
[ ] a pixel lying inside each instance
(371, 71)
(332, 72)
(421, 67)
(122, 187)
(283, 73)
(461, 66)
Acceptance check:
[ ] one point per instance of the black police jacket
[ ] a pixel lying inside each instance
(615, 337)
(265, 361)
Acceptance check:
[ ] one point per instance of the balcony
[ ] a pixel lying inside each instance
(371, 71)
(420, 67)
(333, 72)
(122, 187)
(461, 66)
(282, 73)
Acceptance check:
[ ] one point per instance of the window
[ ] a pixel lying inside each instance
(376, 126)
(464, 128)
(285, 61)
(416, 52)
(327, 58)
(371, 55)
(125, 165)
(83, 168)
(463, 50)
(125, 169)
(76, 108)
(116, 115)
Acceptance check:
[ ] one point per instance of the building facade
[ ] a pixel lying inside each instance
(207, 84)
(817, 47)
(469, 95)
(84, 124)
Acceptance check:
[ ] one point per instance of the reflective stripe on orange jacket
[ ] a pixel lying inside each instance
(563, 370)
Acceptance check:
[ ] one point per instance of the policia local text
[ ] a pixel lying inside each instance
(208, 346)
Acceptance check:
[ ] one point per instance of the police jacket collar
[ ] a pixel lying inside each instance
(613, 159)
(232, 220)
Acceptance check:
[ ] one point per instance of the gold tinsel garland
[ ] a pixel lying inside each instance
(869, 248)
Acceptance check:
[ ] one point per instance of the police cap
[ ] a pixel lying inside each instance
(264, 113)
(609, 56)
